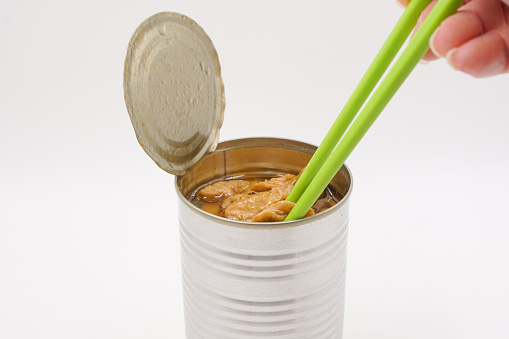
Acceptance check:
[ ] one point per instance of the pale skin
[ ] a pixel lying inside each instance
(475, 40)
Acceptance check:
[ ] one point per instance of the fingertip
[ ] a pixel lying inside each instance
(450, 57)
(481, 57)
(430, 56)
(432, 44)
(455, 31)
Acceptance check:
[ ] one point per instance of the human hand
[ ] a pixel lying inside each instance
(474, 40)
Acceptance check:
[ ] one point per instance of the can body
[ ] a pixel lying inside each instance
(274, 280)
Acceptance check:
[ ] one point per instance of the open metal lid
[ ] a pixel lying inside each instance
(174, 91)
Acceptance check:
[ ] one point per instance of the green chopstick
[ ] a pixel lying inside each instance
(376, 70)
(410, 57)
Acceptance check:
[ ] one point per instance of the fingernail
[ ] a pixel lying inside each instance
(399, 4)
(449, 57)
(423, 62)
(432, 44)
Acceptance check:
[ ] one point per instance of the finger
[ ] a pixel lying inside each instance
(430, 56)
(472, 20)
(402, 3)
(490, 12)
(435, 53)
(455, 31)
(484, 56)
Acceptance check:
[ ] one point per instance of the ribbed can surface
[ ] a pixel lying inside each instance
(284, 280)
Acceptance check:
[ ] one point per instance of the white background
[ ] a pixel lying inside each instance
(89, 242)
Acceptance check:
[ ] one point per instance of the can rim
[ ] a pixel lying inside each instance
(255, 142)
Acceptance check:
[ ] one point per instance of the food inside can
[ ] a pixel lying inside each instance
(255, 199)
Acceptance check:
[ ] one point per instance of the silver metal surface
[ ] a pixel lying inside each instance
(272, 280)
(173, 91)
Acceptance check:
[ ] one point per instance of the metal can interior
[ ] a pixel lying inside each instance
(262, 280)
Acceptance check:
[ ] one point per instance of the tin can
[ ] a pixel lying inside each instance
(262, 280)
(240, 279)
